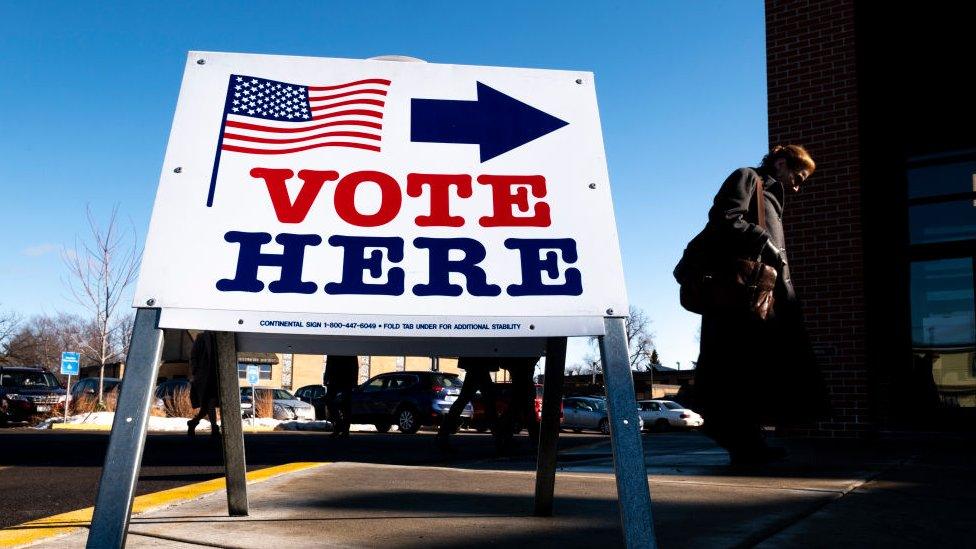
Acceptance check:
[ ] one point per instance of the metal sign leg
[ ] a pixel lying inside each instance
(552, 396)
(232, 433)
(113, 505)
(633, 494)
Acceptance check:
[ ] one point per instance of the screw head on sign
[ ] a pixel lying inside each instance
(177, 170)
(579, 80)
(532, 326)
(201, 61)
(150, 302)
(592, 185)
(240, 321)
(609, 311)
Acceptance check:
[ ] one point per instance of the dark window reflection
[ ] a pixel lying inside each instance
(944, 330)
(942, 222)
(942, 179)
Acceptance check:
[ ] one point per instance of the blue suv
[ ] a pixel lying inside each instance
(408, 400)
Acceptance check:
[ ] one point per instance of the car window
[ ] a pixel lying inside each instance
(446, 381)
(245, 391)
(281, 394)
(28, 379)
(403, 381)
(376, 384)
(672, 405)
(598, 405)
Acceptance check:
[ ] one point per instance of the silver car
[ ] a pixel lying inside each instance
(588, 413)
(286, 406)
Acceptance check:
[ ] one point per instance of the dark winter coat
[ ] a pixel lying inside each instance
(744, 361)
(203, 368)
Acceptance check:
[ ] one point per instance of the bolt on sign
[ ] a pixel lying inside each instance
(380, 198)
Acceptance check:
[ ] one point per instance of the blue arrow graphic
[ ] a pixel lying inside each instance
(496, 122)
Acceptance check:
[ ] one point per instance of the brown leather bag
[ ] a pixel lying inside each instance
(744, 284)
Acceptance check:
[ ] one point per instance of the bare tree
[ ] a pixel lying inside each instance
(100, 269)
(41, 340)
(640, 343)
(9, 321)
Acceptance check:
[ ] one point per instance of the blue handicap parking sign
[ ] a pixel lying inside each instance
(253, 373)
(70, 363)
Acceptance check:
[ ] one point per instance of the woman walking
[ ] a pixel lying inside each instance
(753, 370)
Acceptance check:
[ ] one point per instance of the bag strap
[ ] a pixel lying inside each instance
(760, 204)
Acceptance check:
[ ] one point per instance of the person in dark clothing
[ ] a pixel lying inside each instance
(477, 377)
(521, 408)
(203, 385)
(341, 376)
(752, 371)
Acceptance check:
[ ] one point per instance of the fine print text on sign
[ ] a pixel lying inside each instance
(332, 196)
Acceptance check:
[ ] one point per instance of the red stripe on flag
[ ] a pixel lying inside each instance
(300, 139)
(346, 94)
(346, 85)
(258, 127)
(374, 102)
(248, 150)
(360, 112)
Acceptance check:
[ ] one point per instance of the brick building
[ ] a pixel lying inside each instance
(883, 238)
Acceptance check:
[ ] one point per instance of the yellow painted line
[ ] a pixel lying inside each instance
(81, 427)
(66, 523)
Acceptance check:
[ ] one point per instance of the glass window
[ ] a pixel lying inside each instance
(942, 179)
(376, 384)
(942, 221)
(264, 370)
(942, 303)
(672, 405)
(944, 332)
(447, 381)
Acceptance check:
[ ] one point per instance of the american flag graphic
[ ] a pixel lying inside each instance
(264, 117)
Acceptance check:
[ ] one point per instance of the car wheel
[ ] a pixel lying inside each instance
(407, 421)
(383, 427)
(661, 425)
(605, 427)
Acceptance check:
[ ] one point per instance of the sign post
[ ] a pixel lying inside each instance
(392, 208)
(70, 366)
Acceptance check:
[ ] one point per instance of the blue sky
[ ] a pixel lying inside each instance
(89, 91)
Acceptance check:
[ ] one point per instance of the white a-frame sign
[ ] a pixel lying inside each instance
(377, 207)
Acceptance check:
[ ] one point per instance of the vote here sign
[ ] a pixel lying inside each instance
(382, 198)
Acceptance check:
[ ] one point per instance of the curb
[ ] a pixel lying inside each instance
(100, 427)
(72, 521)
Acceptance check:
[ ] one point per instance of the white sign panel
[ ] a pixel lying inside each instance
(382, 198)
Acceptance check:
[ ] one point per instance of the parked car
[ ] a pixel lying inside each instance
(662, 414)
(89, 386)
(285, 406)
(166, 391)
(407, 399)
(479, 422)
(588, 413)
(315, 395)
(26, 392)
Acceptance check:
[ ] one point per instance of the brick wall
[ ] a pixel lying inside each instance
(812, 89)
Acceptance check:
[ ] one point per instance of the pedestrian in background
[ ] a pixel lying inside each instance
(203, 385)
(521, 408)
(751, 370)
(477, 377)
(340, 377)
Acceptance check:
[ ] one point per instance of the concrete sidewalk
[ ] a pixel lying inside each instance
(896, 494)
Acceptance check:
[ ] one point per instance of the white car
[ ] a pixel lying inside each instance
(661, 414)
(286, 406)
